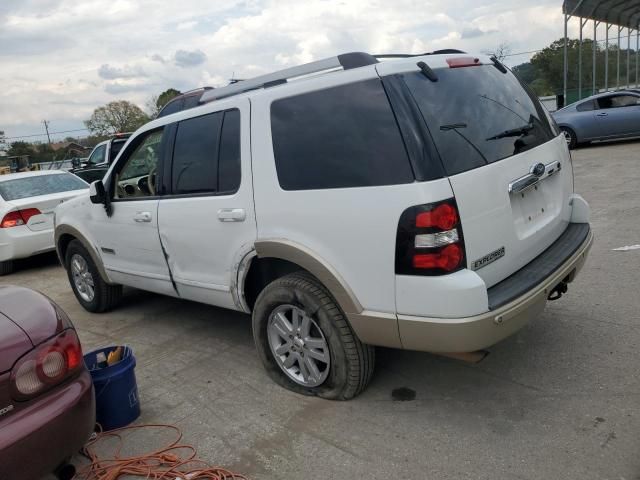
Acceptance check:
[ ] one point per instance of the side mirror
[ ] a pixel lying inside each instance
(97, 193)
(75, 162)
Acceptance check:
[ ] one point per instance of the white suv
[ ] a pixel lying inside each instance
(424, 203)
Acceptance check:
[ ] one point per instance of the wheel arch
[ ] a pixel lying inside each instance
(284, 256)
(64, 235)
(274, 258)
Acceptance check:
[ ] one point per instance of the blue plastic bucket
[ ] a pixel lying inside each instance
(116, 389)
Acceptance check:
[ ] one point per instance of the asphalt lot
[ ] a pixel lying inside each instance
(558, 400)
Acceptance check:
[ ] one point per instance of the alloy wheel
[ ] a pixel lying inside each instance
(298, 345)
(82, 278)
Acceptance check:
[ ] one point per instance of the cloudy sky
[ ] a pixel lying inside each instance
(60, 59)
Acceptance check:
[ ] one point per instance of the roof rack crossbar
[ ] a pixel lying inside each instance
(346, 61)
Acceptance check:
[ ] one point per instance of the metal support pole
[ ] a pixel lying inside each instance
(580, 62)
(565, 67)
(628, 56)
(637, 52)
(595, 43)
(618, 61)
(606, 58)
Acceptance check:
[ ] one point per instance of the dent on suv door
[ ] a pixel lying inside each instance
(128, 238)
(207, 220)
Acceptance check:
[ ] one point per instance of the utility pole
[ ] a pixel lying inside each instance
(46, 127)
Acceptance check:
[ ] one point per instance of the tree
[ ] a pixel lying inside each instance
(114, 117)
(3, 141)
(156, 102)
(502, 51)
(20, 148)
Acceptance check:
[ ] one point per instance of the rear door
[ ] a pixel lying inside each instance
(491, 133)
(207, 220)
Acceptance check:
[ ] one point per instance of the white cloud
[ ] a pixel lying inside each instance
(60, 59)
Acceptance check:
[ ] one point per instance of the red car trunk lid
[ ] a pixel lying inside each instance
(14, 343)
(32, 313)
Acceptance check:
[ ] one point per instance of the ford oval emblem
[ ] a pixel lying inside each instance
(538, 169)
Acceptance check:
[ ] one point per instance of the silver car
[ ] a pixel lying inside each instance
(605, 116)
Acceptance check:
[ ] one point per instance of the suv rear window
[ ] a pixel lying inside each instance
(32, 186)
(340, 137)
(478, 115)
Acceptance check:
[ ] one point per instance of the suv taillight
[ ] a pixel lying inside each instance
(46, 366)
(18, 217)
(429, 240)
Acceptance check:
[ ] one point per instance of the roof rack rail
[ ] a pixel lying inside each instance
(410, 55)
(345, 61)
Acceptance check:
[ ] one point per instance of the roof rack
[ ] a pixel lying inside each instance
(410, 55)
(346, 61)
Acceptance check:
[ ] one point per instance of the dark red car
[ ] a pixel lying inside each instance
(47, 403)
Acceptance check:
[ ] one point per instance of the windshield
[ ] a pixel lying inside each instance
(478, 115)
(40, 185)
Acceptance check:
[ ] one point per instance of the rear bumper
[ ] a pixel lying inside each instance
(508, 314)
(37, 439)
(21, 242)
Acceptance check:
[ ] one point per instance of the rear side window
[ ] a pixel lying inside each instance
(116, 146)
(32, 186)
(478, 115)
(340, 137)
(585, 106)
(206, 154)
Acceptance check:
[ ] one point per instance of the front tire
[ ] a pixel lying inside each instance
(305, 341)
(93, 293)
(6, 267)
(570, 137)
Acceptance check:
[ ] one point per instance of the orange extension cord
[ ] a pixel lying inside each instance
(173, 462)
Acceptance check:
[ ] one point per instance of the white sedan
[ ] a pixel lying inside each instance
(27, 201)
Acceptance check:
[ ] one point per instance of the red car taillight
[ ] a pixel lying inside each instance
(429, 240)
(46, 366)
(18, 217)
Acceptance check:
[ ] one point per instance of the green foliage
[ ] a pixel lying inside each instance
(545, 71)
(165, 96)
(114, 117)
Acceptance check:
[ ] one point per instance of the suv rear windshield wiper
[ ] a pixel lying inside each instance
(513, 132)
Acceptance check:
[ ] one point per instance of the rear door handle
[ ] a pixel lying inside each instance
(602, 114)
(231, 215)
(142, 217)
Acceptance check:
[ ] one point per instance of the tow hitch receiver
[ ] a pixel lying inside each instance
(558, 291)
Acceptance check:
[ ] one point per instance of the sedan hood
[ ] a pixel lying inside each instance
(13, 343)
(32, 312)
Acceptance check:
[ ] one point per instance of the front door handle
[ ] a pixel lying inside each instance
(232, 215)
(602, 114)
(142, 217)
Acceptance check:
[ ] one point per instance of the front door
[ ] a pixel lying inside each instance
(207, 220)
(618, 114)
(128, 239)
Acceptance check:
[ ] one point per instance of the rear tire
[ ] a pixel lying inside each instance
(6, 267)
(570, 136)
(93, 293)
(348, 363)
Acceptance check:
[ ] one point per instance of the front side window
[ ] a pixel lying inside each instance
(341, 137)
(137, 178)
(478, 115)
(98, 155)
(618, 101)
(206, 154)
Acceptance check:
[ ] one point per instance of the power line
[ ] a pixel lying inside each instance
(611, 39)
(50, 133)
